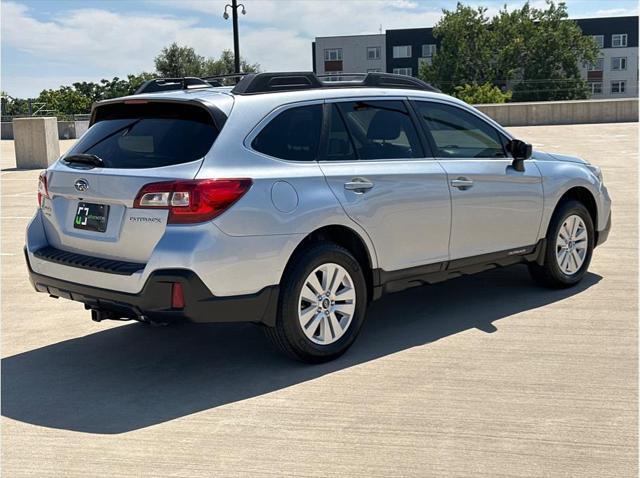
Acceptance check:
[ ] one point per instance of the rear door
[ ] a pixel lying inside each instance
(378, 169)
(90, 209)
(494, 207)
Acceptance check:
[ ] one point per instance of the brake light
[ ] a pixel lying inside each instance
(192, 201)
(43, 192)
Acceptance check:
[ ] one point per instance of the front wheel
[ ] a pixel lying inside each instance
(570, 241)
(322, 304)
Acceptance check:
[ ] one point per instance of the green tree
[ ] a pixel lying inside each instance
(540, 52)
(177, 61)
(536, 51)
(465, 54)
(478, 94)
(225, 65)
(65, 100)
(11, 106)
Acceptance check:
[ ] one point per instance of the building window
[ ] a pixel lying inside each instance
(599, 39)
(428, 60)
(428, 50)
(618, 86)
(403, 51)
(333, 54)
(374, 52)
(619, 40)
(597, 65)
(403, 71)
(595, 87)
(374, 70)
(619, 63)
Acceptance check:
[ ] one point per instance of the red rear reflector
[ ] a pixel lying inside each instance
(42, 187)
(177, 296)
(192, 201)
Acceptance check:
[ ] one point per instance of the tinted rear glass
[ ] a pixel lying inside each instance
(148, 135)
(293, 135)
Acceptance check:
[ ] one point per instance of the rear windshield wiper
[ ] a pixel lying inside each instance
(85, 159)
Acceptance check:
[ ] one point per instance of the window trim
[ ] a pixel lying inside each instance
(422, 55)
(403, 68)
(622, 36)
(621, 58)
(592, 66)
(621, 82)
(598, 42)
(333, 49)
(393, 51)
(376, 48)
(503, 136)
(590, 85)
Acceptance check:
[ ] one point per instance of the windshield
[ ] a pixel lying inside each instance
(148, 135)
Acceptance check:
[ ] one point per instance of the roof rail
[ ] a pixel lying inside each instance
(255, 83)
(170, 84)
(271, 82)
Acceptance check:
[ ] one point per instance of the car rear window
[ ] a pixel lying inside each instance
(148, 135)
(292, 135)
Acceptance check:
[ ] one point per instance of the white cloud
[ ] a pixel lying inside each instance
(91, 37)
(276, 34)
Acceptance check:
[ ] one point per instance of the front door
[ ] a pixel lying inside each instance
(376, 167)
(494, 207)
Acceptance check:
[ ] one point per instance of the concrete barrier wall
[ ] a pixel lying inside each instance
(66, 129)
(563, 112)
(620, 110)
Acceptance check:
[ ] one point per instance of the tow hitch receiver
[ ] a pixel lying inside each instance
(100, 315)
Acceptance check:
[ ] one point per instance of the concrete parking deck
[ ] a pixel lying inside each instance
(487, 375)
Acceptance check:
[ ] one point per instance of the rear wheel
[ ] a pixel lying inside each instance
(570, 241)
(322, 304)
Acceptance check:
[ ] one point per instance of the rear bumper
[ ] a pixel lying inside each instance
(153, 302)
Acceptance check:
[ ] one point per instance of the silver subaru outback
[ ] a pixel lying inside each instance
(293, 203)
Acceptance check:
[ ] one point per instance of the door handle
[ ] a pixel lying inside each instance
(462, 183)
(358, 185)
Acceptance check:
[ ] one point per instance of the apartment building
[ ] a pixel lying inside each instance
(349, 54)
(614, 75)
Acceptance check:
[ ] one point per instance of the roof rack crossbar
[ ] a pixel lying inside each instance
(172, 84)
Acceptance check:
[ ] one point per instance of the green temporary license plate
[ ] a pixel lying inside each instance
(91, 217)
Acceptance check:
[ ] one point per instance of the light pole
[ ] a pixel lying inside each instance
(236, 44)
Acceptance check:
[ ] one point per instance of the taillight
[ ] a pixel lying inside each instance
(42, 187)
(191, 201)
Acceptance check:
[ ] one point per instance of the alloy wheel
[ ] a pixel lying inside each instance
(327, 304)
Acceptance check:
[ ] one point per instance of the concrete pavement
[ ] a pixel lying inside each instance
(486, 375)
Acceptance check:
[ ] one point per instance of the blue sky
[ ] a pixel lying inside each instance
(46, 43)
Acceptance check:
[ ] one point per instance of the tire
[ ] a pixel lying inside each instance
(561, 267)
(330, 340)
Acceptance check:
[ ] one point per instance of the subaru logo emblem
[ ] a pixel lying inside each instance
(81, 185)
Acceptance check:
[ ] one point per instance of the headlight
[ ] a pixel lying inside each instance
(596, 170)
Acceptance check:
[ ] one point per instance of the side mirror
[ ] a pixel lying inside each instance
(520, 151)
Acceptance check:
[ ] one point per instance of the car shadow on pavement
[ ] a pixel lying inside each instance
(134, 376)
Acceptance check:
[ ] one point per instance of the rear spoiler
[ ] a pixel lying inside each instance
(219, 117)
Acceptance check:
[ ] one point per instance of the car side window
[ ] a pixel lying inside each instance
(381, 129)
(457, 133)
(339, 146)
(293, 135)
